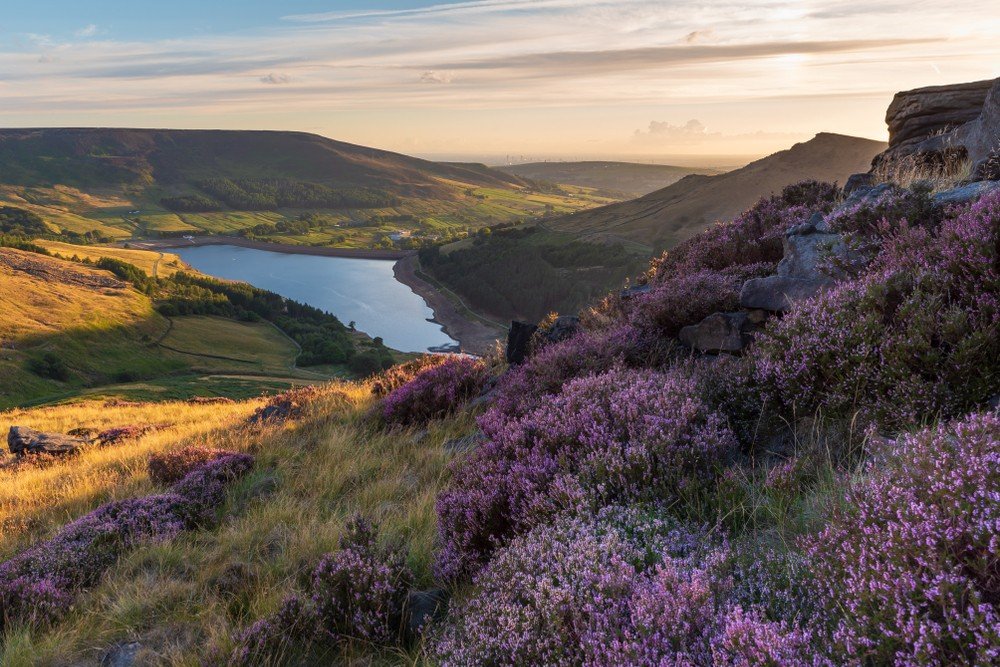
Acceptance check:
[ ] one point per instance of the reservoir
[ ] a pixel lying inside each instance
(363, 291)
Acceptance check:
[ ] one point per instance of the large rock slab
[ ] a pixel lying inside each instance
(780, 293)
(978, 139)
(23, 441)
(915, 115)
(966, 193)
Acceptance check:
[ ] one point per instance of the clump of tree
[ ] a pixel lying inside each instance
(513, 274)
(191, 204)
(19, 222)
(268, 194)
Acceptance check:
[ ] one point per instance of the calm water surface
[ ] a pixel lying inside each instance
(360, 290)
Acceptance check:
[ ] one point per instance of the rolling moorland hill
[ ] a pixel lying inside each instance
(675, 213)
(105, 183)
(631, 178)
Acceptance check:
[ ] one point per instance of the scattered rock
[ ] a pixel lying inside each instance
(235, 579)
(719, 332)
(113, 436)
(856, 182)
(565, 326)
(779, 293)
(121, 655)
(87, 433)
(966, 193)
(419, 436)
(284, 407)
(464, 444)
(519, 341)
(22, 441)
(423, 608)
(263, 487)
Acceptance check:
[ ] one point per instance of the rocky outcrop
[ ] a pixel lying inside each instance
(564, 327)
(943, 125)
(811, 253)
(519, 341)
(24, 441)
(723, 332)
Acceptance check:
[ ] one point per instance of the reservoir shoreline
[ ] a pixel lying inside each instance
(474, 336)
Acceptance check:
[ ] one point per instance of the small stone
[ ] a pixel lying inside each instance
(423, 608)
(779, 293)
(464, 444)
(719, 332)
(121, 655)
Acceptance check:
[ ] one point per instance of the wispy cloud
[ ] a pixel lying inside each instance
(87, 31)
(538, 70)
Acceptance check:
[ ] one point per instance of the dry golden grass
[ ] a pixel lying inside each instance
(157, 264)
(182, 598)
(909, 171)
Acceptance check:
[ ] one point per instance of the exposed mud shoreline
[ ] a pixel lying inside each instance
(474, 336)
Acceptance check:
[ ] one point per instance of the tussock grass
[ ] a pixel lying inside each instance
(186, 596)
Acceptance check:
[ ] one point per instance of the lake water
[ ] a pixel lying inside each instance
(360, 290)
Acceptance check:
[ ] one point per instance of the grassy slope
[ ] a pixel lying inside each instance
(631, 178)
(108, 336)
(169, 596)
(96, 180)
(666, 217)
(156, 264)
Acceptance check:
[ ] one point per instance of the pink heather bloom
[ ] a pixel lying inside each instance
(435, 391)
(909, 568)
(611, 437)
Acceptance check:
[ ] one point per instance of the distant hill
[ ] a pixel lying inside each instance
(96, 157)
(630, 178)
(672, 214)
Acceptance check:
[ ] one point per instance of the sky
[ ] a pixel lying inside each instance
(530, 79)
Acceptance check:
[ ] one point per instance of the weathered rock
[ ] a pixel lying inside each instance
(978, 140)
(519, 341)
(422, 608)
(121, 655)
(856, 182)
(464, 444)
(719, 332)
(22, 441)
(565, 326)
(779, 293)
(966, 193)
(915, 115)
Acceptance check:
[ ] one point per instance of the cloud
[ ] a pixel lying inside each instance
(432, 76)
(87, 31)
(276, 79)
(693, 131)
(696, 36)
(558, 63)
(474, 7)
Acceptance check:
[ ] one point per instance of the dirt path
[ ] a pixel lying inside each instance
(476, 334)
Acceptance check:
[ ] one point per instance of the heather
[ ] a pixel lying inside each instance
(435, 391)
(170, 467)
(909, 567)
(357, 593)
(609, 437)
(913, 338)
(37, 585)
(628, 585)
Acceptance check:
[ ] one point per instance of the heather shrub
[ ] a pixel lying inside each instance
(435, 392)
(169, 467)
(909, 568)
(355, 594)
(595, 351)
(605, 438)
(388, 381)
(626, 586)
(37, 585)
(754, 237)
(914, 338)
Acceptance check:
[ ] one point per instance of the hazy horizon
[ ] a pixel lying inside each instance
(673, 82)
